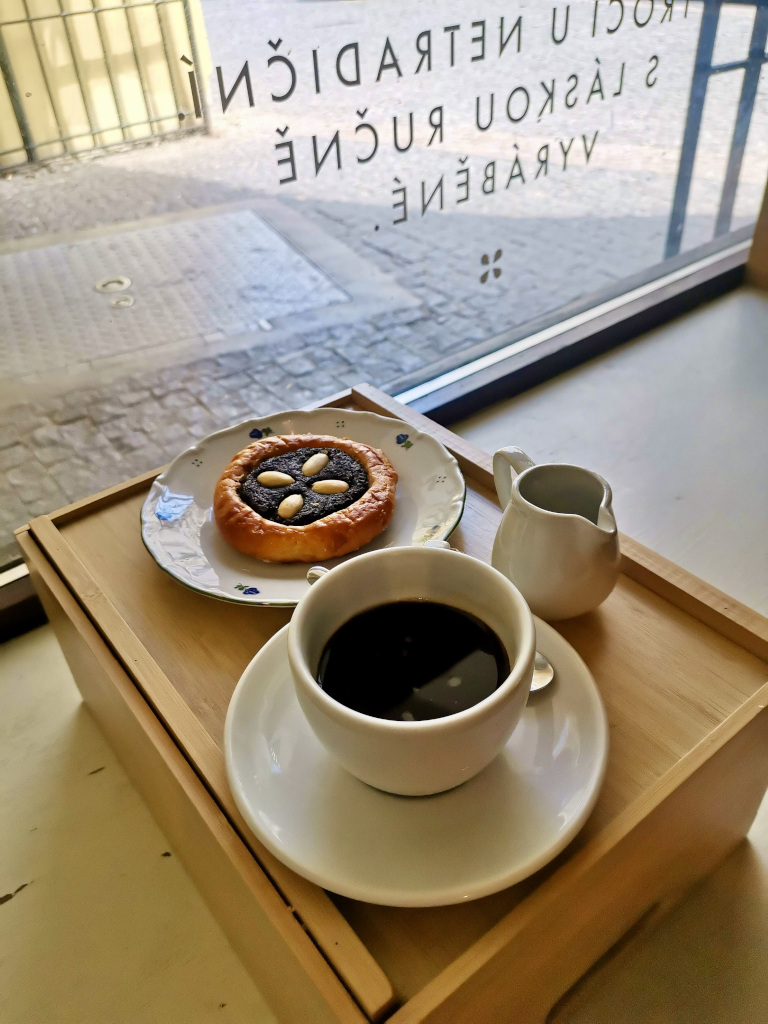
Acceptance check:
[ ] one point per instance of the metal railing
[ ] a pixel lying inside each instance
(702, 72)
(179, 107)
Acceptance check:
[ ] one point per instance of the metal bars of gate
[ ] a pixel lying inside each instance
(196, 111)
(703, 70)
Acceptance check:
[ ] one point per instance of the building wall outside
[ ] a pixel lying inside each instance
(83, 76)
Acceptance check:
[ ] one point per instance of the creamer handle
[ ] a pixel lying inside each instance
(503, 460)
(316, 573)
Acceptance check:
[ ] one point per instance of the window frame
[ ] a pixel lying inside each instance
(521, 359)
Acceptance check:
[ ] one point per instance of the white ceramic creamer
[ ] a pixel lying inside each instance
(557, 541)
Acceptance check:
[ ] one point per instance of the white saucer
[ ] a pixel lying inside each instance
(177, 524)
(493, 831)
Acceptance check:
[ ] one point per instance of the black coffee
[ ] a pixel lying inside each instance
(412, 660)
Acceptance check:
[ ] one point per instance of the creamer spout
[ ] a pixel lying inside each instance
(605, 520)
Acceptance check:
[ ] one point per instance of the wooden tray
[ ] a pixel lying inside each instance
(682, 670)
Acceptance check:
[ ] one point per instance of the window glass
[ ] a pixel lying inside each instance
(212, 209)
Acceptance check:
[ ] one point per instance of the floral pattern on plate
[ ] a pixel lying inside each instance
(177, 517)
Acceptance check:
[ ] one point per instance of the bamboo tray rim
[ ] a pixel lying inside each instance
(736, 622)
(725, 614)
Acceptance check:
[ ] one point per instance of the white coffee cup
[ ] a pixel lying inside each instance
(420, 757)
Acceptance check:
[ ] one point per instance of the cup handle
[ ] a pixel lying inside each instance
(503, 460)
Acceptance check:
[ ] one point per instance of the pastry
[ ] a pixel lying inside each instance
(304, 497)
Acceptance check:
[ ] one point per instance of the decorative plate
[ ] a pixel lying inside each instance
(495, 830)
(179, 532)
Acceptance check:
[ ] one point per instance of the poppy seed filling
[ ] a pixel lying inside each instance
(267, 500)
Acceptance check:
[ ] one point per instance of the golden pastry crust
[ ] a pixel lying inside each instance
(335, 534)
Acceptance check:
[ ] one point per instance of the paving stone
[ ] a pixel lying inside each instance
(25, 471)
(449, 343)
(198, 387)
(13, 456)
(106, 459)
(319, 383)
(82, 434)
(352, 375)
(212, 394)
(10, 553)
(168, 379)
(270, 375)
(174, 433)
(373, 369)
(161, 388)
(115, 428)
(198, 369)
(178, 400)
(407, 361)
(219, 422)
(53, 498)
(13, 511)
(54, 454)
(47, 435)
(73, 405)
(400, 334)
(384, 320)
(149, 424)
(130, 441)
(233, 361)
(347, 354)
(293, 395)
(76, 483)
(59, 470)
(324, 356)
(32, 482)
(24, 418)
(475, 334)
(409, 317)
(10, 433)
(193, 415)
(297, 342)
(349, 332)
(130, 398)
(296, 365)
(103, 412)
(119, 387)
(256, 398)
(69, 413)
(146, 459)
(235, 408)
(233, 384)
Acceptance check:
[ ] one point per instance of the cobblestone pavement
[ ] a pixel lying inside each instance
(58, 449)
(577, 237)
